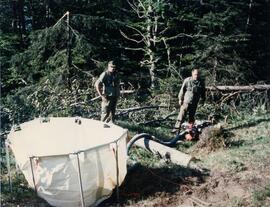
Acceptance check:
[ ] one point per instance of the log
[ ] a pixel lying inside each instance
(249, 88)
(133, 109)
(165, 152)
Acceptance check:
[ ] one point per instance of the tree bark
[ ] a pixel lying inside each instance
(21, 16)
(165, 152)
(239, 88)
(152, 68)
(21, 19)
(15, 21)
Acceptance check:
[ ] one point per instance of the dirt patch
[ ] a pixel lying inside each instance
(143, 188)
(220, 187)
(164, 186)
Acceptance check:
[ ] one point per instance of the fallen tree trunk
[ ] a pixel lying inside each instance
(239, 88)
(165, 152)
(133, 109)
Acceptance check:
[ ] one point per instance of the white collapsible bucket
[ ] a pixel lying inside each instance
(70, 161)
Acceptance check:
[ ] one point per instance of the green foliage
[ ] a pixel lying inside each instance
(236, 166)
(20, 191)
(145, 157)
(219, 51)
(261, 197)
(170, 85)
(159, 132)
(213, 36)
(9, 44)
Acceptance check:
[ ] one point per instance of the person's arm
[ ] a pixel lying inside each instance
(99, 84)
(182, 92)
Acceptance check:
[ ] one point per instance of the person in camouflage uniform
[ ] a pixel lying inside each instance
(108, 88)
(192, 90)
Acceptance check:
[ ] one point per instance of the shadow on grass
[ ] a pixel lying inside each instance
(20, 195)
(143, 182)
(140, 183)
(237, 143)
(249, 124)
(254, 141)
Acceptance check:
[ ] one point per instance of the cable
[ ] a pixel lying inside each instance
(170, 143)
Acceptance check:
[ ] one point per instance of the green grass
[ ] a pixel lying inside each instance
(237, 159)
(236, 202)
(159, 132)
(20, 192)
(144, 157)
(248, 146)
(261, 198)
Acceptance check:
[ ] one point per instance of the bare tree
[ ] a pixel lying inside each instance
(146, 33)
(152, 33)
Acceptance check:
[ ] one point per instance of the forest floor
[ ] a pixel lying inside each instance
(234, 175)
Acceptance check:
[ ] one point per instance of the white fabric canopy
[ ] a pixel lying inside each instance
(56, 147)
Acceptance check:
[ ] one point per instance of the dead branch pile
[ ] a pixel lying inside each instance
(211, 139)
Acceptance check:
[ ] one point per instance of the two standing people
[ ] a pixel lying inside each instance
(192, 90)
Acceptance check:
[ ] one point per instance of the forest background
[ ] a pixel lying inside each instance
(50, 59)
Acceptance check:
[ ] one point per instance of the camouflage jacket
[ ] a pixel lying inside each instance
(191, 91)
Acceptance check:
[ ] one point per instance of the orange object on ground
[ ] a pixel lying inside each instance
(188, 137)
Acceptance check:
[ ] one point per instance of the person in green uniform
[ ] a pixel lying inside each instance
(108, 88)
(192, 90)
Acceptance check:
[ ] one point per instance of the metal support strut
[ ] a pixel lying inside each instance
(32, 170)
(8, 167)
(80, 179)
(117, 172)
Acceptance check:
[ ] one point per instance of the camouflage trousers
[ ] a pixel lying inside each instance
(185, 109)
(108, 108)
